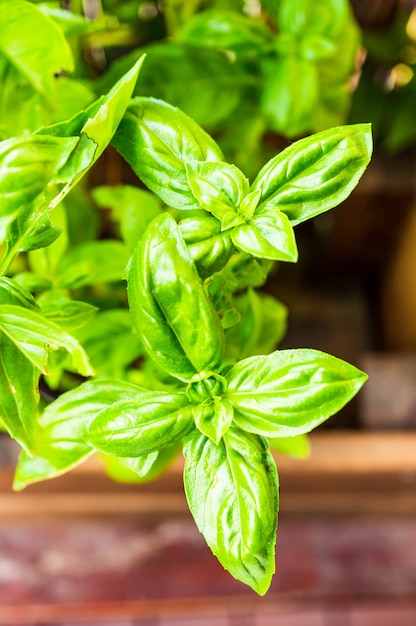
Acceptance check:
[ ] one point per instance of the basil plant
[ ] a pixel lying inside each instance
(185, 358)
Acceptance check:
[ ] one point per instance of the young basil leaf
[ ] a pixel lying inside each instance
(143, 424)
(268, 235)
(110, 342)
(93, 262)
(36, 336)
(218, 187)
(174, 70)
(69, 314)
(95, 127)
(289, 95)
(43, 261)
(34, 45)
(226, 30)
(171, 312)
(157, 140)
(310, 18)
(27, 165)
(64, 422)
(316, 173)
(213, 419)
(140, 469)
(261, 327)
(19, 395)
(232, 492)
(290, 392)
(13, 293)
(132, 207)
(209, 248)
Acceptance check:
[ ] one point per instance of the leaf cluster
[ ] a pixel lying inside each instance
(185, 358)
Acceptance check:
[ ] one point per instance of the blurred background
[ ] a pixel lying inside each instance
(81, 549)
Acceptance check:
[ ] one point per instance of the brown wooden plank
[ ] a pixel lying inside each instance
(347, 473)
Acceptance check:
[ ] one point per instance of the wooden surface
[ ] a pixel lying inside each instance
(83, 550)
(348, 473)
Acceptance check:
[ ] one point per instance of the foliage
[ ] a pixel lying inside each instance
(186, 357)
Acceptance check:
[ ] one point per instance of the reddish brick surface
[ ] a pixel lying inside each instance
(329, 573)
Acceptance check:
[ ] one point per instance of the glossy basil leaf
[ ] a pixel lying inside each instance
(297, 447)
(218, 187)
(174, 69)
(290, 95)
(268, 235)
(140, 469)
(34, 45)
(213, 419)
(93, 262)
(143, 424)
(67, 313)
(95, 127)
(157, 140)
(36, 336)
(232, 492)
(171, 312)
(131, 207)
(18, 395)
(11, 292)
(290, 392)
(316, 173)
(262, 325)
(306, 17)
(110, 342)
(64, 422)
(226, 30)
(43, 261)
(82, 218)
(244, 271)
(27, 165)
(209, 247)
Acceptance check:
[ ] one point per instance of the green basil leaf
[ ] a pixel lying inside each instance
(309, 18)
(209, 248)
(35, 336)
(93, 262)
(218, 187)
(297, 447)
(19, 395)
(290, 392)
(171, 312)
(262, 325)
(174, 69)
(34, 45)
(214, 419)
(289, 95)
(232, 492)
(132, 207)
(95, 127)
(140, 469)
(64, 422)
(43, 261)
(27, 165)
(157, 140)
(69, 314)
(268, 235)
(110, 342)
(143, 424)
(226, 30)
(13, 293)
(316, 173)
